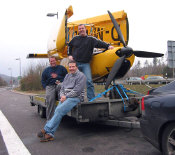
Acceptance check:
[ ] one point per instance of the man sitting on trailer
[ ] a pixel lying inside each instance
(52, 76)
(71, 93)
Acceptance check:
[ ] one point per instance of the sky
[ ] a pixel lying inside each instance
(25, 28)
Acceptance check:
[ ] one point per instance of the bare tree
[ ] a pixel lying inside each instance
(32, 77)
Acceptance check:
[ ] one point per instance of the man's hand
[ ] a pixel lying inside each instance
(63, 98)
(110, 47)
(57, 82)
(53, 75)
(71, 57)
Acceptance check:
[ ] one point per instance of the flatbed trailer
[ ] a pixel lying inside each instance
(117, 112)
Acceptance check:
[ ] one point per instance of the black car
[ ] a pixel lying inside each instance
(158, 118)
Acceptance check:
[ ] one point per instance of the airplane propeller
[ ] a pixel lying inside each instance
(114, 70)
(125, 52)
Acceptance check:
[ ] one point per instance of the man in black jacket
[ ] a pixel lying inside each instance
(52, 77)
(81, 49)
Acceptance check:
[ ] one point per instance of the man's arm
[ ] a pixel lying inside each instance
(70, 47)
(101, 44)
(62, 93)
(43, 79)
(69, 50)
(64, 71)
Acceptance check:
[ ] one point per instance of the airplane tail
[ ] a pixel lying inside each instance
(61, 50)
(62, 33)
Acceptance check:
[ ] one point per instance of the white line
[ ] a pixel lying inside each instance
(13, 143)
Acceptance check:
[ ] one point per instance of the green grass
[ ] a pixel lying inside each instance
(143, 89)
(39, 92)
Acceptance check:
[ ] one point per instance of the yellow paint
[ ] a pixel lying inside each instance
(61, 38)
(100, 27)
(102, 63)
(146, 76)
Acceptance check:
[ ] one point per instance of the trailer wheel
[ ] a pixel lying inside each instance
(32, 104)
(42, 111)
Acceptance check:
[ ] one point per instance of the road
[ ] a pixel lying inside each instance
(71, 138)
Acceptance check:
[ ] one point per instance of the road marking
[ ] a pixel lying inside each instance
(12, 141)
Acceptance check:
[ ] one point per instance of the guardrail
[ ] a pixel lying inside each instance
(130, 82)
(155, 81)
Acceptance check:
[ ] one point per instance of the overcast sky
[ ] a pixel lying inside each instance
(25, 28)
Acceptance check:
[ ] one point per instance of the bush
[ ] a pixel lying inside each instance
(3, 82)
(32, 79)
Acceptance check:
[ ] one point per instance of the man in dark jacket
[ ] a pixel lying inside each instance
(81, 49)
(52, 77)
(71, 93)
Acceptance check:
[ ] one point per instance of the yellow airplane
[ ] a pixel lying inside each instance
(106, 65)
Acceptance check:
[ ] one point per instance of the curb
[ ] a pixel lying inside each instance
(22, 93)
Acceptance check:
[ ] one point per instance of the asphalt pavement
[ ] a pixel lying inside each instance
(71, 138)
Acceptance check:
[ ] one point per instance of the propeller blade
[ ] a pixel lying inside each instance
(117, 27)
(145, 54)
(114, 71)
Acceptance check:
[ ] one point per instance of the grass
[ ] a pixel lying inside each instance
(39, 92)
(143, 89)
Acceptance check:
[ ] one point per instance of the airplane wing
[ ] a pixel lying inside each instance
(32, 55)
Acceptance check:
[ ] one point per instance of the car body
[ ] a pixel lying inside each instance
(155, 80)
(158, 118)
(134, 80)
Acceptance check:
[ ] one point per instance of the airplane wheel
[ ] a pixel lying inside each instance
(168, 140)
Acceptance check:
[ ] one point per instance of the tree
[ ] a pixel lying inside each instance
(155, 61)
(32, 79)
(3, 82)
(168, 71)
(146, 64)
(159, 68)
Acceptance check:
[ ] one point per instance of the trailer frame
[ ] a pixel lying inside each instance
(102, 111)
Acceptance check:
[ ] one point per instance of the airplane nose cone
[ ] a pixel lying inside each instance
(127, 51)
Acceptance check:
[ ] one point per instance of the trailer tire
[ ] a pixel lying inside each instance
(42, 111)
(32, 104)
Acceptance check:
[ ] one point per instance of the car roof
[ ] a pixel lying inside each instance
(154, 77)
(165, 89)
(135, 78)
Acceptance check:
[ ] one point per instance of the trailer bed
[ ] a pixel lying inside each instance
(115, 112)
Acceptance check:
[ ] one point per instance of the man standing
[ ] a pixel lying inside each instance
(52, 76)
(81, 49)
(71, 93)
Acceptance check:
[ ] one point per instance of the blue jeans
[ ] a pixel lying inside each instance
(86, 69)
(61, 110)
